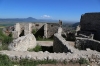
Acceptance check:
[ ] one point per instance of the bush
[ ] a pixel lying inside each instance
(5, 61)
(5, 40)
(34, 31)
(83, 61)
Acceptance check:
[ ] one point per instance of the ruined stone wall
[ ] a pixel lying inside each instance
(45, 30)
(52, 28)
(90, 22)
(37, 26)
(84, 43)
(61, 45)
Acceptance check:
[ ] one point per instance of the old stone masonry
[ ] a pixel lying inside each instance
(44, 30)
(87, 38)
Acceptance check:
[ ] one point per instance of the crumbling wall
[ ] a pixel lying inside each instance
(90, 22)
(61, 45)
(52, 28)
(83, 43)
(45, 30)
(89, 32)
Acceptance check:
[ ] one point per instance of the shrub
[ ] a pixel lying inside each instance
(83, 61)
(5, 40)
(5, 61)
(34, 31)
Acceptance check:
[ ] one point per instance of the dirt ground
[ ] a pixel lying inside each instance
(50, 43)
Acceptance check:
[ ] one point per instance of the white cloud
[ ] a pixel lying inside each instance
(45, 16)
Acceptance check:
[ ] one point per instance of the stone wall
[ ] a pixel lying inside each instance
(90, 22)
(61, 45)
(45, 30)
(52, 28)
(84, 43)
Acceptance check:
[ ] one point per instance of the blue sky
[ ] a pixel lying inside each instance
(70, 10)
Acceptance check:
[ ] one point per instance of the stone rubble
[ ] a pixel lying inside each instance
(92, 56)
(23, 43)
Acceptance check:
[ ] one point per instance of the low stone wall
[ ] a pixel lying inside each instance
(91, 56)
(61, 45)
(84, 43)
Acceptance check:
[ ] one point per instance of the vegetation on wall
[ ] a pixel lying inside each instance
(34, 31)
(5, 40)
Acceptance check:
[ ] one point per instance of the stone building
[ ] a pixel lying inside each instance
(44, 30)
(88, 34)
(90, 24)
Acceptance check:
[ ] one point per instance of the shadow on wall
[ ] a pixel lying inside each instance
(22, 33)
(40, 32)
(47, 48)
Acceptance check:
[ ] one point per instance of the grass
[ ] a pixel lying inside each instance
(36, 49)
(26, 62)
(5, 61)
(45, 39)
(83, 61)
(4, 47)
(5, 40)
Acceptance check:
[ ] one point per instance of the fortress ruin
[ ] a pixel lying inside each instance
(44, 30)
(88, 33)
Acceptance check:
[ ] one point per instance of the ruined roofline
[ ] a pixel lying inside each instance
(91, 13)
(38, 22)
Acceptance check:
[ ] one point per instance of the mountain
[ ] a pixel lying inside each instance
(17, 19)
(30, 19)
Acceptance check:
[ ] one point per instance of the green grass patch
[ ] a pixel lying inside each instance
(26, 62)
(5, 61)
(5, 40)
(36, 49)
(45, 39)
(83, 61)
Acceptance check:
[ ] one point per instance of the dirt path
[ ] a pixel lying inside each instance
(50, 43)
(45, 43)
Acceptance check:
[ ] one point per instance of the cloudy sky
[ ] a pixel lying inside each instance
(70, 10)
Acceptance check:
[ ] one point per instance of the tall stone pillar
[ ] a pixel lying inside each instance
(17, 29)
(45, 31)
(30, 28)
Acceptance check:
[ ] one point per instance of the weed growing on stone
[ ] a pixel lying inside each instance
(83, 61)
(34, 31)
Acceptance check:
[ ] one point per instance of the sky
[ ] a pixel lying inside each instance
(69, 10)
